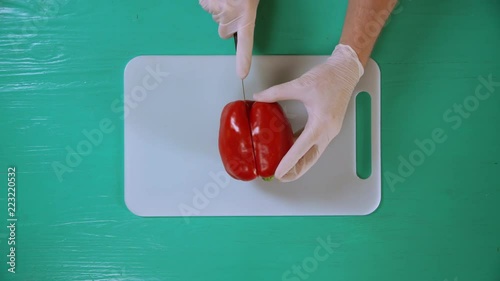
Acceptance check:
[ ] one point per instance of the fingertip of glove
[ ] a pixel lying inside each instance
(262, 97)
(284, 175)
(268, 95)
(286, 178)
(243, 64)
(242, 73)
(257, 97)
(279, 178)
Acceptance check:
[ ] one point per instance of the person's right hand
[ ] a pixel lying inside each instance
(325, 91)
(236, 16)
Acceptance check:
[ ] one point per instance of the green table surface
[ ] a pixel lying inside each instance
(61, 69)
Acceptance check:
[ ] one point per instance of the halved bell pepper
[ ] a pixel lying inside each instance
(253, 138)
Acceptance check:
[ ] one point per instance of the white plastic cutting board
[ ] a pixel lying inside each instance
(172, 163)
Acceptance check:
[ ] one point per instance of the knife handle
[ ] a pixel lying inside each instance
(235, 36)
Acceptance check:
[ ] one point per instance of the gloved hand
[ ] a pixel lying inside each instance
(325, 91)
(236, 16)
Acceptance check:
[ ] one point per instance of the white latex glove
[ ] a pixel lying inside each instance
(325, 91)
(236, 16)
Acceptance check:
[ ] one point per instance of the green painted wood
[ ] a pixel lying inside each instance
(363, 135)
(440, 221)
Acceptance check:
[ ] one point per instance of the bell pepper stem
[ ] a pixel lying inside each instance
(268, 178)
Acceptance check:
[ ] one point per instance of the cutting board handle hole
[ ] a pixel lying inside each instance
(363, 135)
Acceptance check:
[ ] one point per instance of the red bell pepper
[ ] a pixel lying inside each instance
(253, 138)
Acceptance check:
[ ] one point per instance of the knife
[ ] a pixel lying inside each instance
(235, 36)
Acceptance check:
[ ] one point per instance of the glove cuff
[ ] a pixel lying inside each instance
(345, 51)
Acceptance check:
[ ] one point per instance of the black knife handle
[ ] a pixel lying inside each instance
(235, 36)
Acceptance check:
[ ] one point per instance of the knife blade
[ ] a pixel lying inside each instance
(235, 36)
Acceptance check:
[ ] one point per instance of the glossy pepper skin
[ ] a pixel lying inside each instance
(253, 138)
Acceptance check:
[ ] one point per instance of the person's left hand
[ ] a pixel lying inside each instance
(325, 91)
